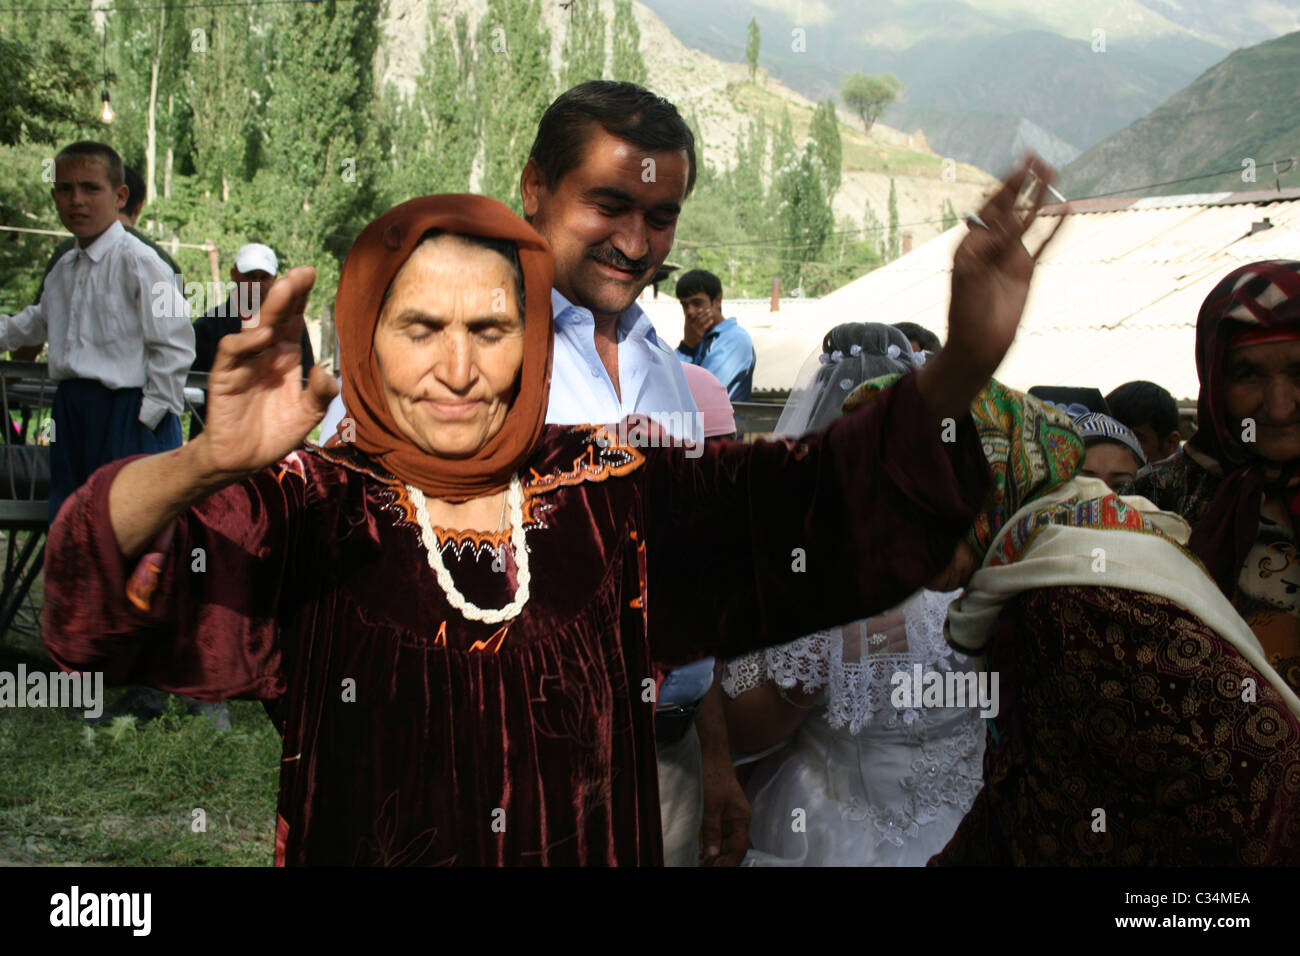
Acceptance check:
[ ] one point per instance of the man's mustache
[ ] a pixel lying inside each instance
(612, 257)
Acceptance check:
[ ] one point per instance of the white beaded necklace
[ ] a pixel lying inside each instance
(515, 503)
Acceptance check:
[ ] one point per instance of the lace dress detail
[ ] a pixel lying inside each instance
(893, 772)
(844, 662)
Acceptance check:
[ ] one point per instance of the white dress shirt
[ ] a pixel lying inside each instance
(650, 373)
(651, 382)
(113, 313)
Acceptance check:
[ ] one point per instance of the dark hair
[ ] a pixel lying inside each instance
(698, 280)
(625, 110)
(503, 247)
(1144, 403)
(920, 335)
(87, 149)
(135, 191)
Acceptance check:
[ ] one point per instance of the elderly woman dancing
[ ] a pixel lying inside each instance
(453, 617)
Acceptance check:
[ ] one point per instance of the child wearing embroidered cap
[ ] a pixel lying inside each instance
(1114, 452)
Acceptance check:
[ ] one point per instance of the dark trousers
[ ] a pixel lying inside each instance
(94, 425)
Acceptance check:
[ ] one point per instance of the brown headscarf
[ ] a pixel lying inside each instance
(375, 258)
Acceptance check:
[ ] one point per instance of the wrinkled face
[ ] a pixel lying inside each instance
(1112, 463)
(610, 221)
(1262, 386)
(87, 204)
(450, 344)
(700, 308)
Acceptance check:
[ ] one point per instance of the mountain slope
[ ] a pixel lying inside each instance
(718, 98)
(1243, 108)
(1013, 58)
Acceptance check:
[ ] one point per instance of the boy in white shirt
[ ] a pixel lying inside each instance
(118, 327)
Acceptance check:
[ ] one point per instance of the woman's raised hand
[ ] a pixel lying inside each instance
(991, 270)
(258, 410)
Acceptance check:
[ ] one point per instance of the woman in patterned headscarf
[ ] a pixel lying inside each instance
(1138, 720)
(1238, 479)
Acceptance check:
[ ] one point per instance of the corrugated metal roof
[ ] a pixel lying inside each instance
(1114, 299)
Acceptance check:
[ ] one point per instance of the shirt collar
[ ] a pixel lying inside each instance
(107, 239)
(633, 323)
(720, 327)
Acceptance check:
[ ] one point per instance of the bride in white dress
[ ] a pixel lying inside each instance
(843, 777)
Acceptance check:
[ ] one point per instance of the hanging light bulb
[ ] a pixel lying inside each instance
(106, 113)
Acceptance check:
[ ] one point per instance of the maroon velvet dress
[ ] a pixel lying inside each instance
(413, 736)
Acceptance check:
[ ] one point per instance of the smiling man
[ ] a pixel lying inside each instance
(610, 168)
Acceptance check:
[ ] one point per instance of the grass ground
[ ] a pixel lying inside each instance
(125, 794)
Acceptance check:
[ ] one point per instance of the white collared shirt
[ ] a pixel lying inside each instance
(113, 313)
(652, 382)
(650, 374)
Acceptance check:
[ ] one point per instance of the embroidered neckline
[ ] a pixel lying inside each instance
(599, 458)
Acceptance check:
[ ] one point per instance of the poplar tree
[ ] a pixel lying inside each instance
(745, 179)
(949, 213)
(584, 43)
(317, 186)
(895, 242)
(825, 130)
(432, 138)
(219, 92)
(803, 211)
(751, 48)
(626, 63)
(513, 85)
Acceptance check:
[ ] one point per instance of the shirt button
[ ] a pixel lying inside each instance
(595, 373)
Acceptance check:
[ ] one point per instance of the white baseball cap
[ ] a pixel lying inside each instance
(256, 257)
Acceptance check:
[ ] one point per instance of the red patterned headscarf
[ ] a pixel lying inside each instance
(1253, 304)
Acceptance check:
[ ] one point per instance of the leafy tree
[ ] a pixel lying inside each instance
(626, 63)
(433, 137)
(868, 96)
(48, 80)
(322, 167)
(825, 131)
(895, 241)
(584, 43)
(751, 48)
(745, 180)
(153, 43)
(949, 213)
(219, 90)
(783, 157)
(512, 79)
(49, 94)
(873, 230)
(803, 211)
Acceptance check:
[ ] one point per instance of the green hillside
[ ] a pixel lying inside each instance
(1010, 59)
(1243, 108)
